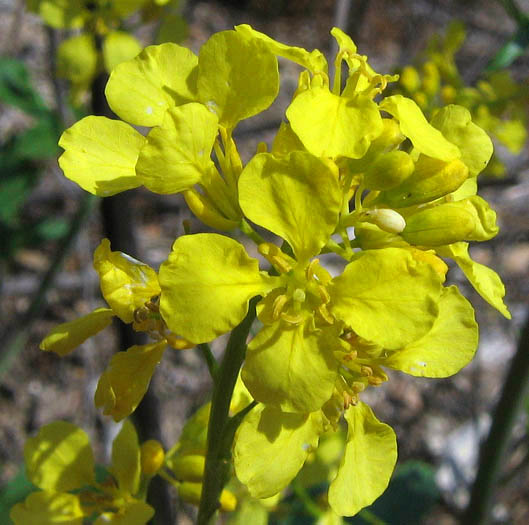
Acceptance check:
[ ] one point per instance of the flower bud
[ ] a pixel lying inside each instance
(190, 492)
(431, 80)
(390, 138)
(152, 457)
(440, 225)
(206, 212)
(410, 79)
(429, 257)
(188, 467)
(387, 220)
(389, 170)
(431, 180)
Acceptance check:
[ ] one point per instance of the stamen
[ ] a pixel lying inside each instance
(278, 305)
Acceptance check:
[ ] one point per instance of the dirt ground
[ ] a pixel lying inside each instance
(431, 417)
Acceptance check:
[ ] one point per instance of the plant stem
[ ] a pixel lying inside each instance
(513, 11)
(213, 366)
(493, 449)
(220, 431)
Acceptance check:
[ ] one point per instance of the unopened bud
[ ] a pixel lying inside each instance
(429, 257)
(440, 225)
(152, 457)
(389, 170)
(204, 210)
(190, 492)
(387, 220)
(189, 467)
(431, 180)
(410, 79)
(431, 79)
(467, 220)
(390, 138)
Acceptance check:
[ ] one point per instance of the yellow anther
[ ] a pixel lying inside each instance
(292, 319)
(349, 400)
(276, 257)
(324, 294)
(375, 380)
(177, 342)
(277, 307)
(311, 269)
(366, 370)
(327, 317)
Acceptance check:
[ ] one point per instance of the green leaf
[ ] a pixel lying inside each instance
(16, 490)
(15, 186)
(516, 47)
(40, 141)
(16, 89)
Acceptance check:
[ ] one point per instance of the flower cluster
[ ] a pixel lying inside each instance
(351, 172)
(60, 462)
(102, 44)
(497, 103)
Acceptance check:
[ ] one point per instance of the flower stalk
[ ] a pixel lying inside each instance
(220, 432)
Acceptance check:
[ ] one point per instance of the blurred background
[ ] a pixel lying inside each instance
(48, 231)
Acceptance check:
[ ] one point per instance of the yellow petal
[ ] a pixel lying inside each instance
(367, 464)
(126, 467)
(485, 280)
(314, 61)
(59, 458)
(160, 77)
(332, 126)
(414, 125)
(131, 512)
(271, 447)
(206, 283)
(100, 155)
(387, 297)
(124, 383)
(447, 347)
(290, 368)
(177, 154)
(126, 283)
(119, 46)
(77, 59)
(237, 77)
(66, 337)
(48, 508)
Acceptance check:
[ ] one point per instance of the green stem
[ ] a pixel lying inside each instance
(305, 498)
(220, 427)
(493, 449)
(250, 232)
(213, 366)
(513, 11)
